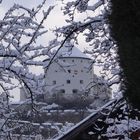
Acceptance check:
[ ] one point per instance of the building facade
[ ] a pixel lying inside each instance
(69, 77)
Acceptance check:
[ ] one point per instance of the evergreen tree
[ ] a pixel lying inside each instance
(124, 20)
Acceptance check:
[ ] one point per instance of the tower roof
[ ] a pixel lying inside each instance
(71, 51)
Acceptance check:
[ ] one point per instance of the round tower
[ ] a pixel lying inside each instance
(69, 75)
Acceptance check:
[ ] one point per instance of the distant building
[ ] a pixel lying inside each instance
(71, 79)
(71, 75)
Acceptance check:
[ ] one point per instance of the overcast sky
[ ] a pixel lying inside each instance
(55, 19)
(27, 3)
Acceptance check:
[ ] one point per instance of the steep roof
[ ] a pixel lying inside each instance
(71, 51)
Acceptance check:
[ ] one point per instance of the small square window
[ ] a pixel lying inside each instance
(81, 81)
(69, 71)
(72, 60)
(62, 91)
(75, 91)
(64, 60)
(54, 82)
(75, 71)
(68, 81)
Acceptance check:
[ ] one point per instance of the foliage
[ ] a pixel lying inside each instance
(94, 31)
(18, 50)
(119, 122)
(124, 19)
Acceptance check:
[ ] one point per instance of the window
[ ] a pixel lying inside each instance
(54, 82)
(81, 70)
(69, 71)
(81, 81)
(74, 91)
(64, 60)
(62, 91)
(75, 71)
(55, 70)
(72, 60)
(68, 81)
(81, 61)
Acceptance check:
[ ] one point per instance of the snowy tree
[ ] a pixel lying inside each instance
(19, 31)
(92, 27)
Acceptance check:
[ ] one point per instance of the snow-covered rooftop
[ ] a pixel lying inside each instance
(71, 51)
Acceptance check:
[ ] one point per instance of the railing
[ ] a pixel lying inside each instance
(88, 121)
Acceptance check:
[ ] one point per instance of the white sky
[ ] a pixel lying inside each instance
(55, 19)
